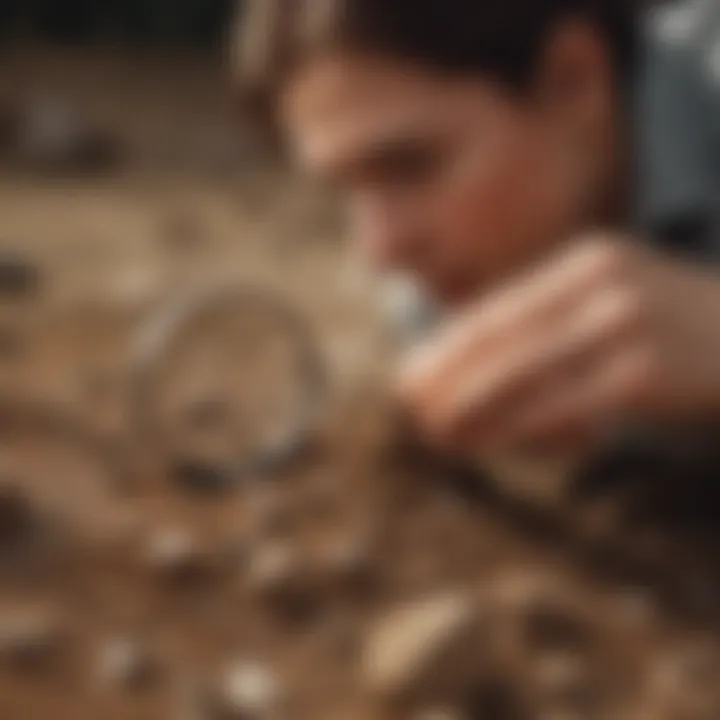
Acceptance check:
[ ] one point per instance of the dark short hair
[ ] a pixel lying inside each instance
(503, 38)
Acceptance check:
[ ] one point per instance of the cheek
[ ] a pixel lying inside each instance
(498, 215)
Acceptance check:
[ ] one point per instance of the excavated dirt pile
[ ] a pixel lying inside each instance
(156, 570)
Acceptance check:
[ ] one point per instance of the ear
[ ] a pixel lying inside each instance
(575, 78)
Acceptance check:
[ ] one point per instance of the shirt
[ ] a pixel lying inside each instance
(676, 110)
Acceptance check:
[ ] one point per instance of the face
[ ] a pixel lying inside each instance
(453, 180)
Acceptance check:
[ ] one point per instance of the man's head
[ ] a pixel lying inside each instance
(467, 137)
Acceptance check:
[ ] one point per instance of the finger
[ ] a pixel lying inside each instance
(483, 396)
(581, 410)
(529, 304)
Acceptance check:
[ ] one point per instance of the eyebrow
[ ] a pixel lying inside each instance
(377, 152)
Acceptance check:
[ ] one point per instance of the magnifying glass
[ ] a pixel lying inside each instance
(225, 385)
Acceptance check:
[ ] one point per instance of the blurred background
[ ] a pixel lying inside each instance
(189, 22)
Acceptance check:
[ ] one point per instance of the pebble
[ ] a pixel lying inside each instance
(273, 567)
(249, 691)
(125, 663)
(431, 647)
(174, 554)
(55, 138)
(29, 637)
(200, 477)
(16, 512)
(278, 576)
(20, 277)
(545, 611)
(350, 562)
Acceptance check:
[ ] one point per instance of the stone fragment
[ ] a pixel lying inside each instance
(174, 554)
(55, 138)
(200, 477)
(29, 637)
(430, 650)
(248, 691)
(278, 575)
(19, 276)
(124, 663)
(16, 512)
(349, 562)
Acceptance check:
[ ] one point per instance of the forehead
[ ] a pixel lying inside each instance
(337, 107)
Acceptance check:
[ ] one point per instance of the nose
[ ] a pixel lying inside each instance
(387, 230)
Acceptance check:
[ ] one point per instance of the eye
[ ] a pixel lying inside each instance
(405, 163)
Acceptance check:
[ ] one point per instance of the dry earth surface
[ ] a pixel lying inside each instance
(140, 578)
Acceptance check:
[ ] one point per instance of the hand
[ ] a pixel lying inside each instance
(605, 332)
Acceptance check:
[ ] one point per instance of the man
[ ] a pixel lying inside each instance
(547, 171)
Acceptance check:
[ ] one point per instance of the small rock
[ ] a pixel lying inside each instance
(29, 638)
(278, 575)
(174, 554)
(124, 663)
(16, 512)
(544, 609)
(350, 563)
(249, 691)
(273, 567)
(200, 477)
(19, 276)
(429, 650)
(55, 138)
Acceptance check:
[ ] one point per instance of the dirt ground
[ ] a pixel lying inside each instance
(143, 575)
